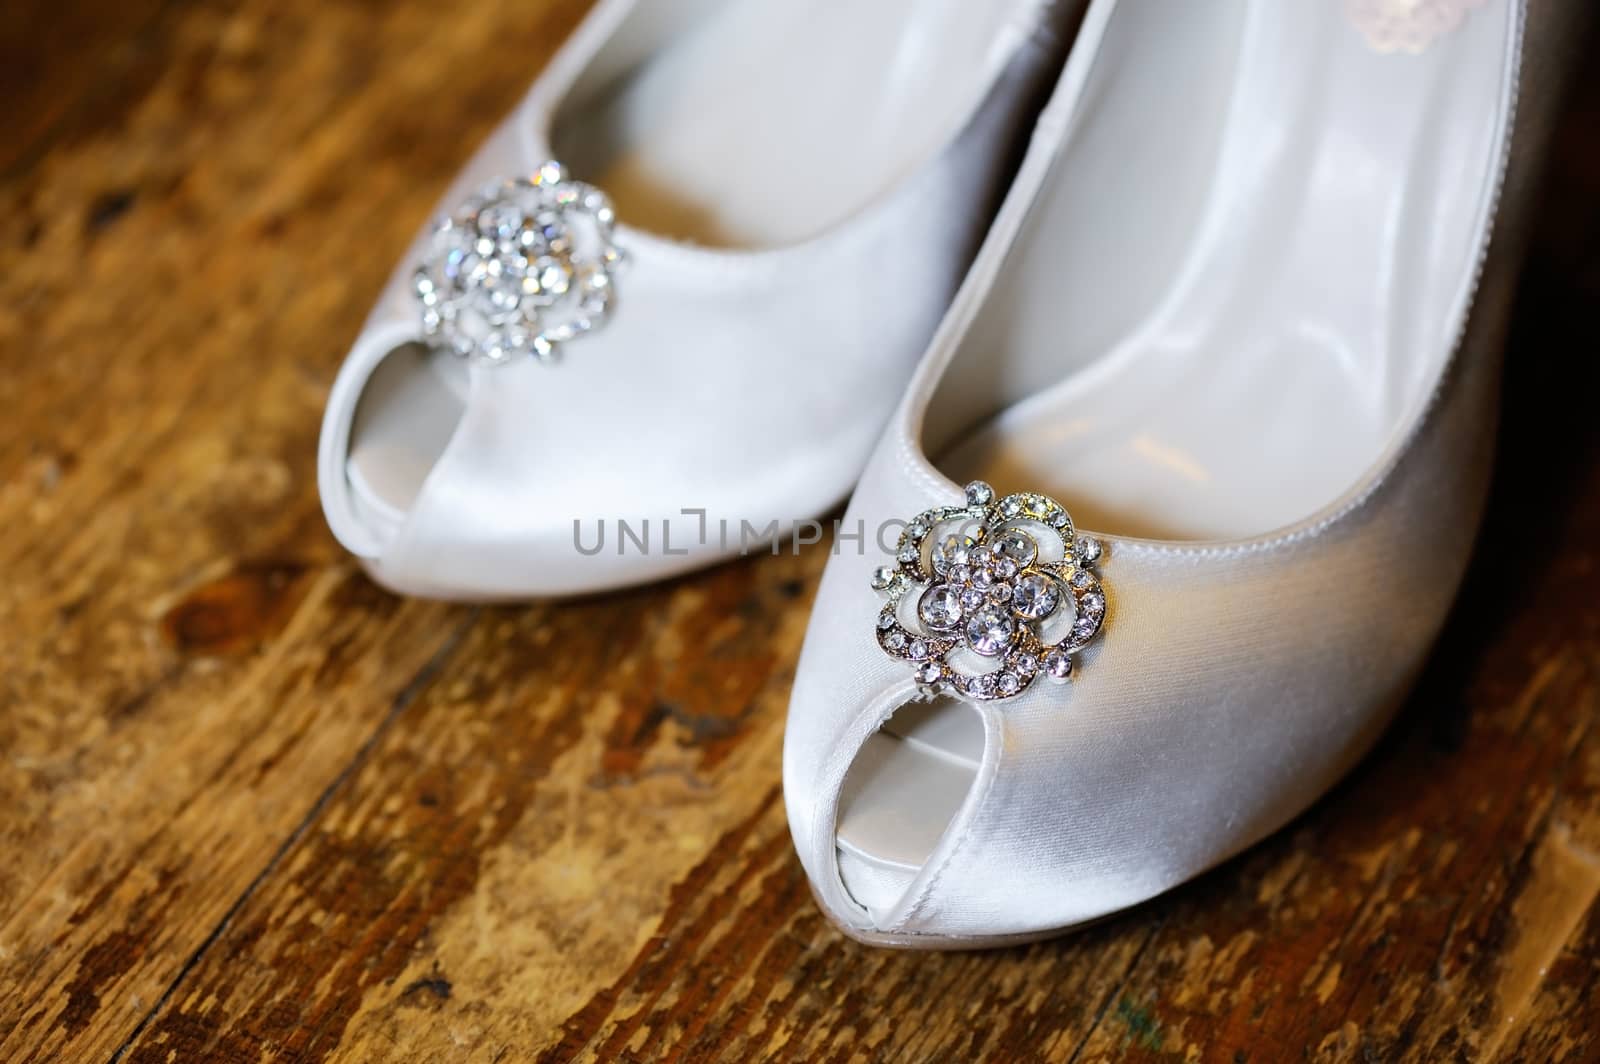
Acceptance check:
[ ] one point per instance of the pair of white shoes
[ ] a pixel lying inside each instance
(1237, 313)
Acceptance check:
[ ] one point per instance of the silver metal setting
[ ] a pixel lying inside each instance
(519, 269)
(989, 583)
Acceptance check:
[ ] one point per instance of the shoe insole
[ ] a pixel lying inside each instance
(1237, 283)
(767, 123)
(1240, 279)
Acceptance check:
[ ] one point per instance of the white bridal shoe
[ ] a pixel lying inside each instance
(1240, 317)
(762, 213)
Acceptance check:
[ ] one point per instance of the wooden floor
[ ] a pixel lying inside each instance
(252, 806)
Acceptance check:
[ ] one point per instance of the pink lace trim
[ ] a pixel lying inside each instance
(1407, 25)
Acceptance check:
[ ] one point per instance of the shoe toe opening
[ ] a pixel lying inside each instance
(404, 417)
(900, 794)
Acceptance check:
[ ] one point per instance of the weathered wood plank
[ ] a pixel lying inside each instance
(189, 662)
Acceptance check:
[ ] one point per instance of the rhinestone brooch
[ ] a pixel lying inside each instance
(984, 599)
(519, 269)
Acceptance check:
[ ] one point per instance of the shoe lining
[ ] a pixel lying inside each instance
(758, 125)
(1238, 284)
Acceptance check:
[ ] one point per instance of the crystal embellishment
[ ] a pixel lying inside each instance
(991, 578)
(519, 269)
(989, 631)
(1036, 597)
(940, 608)
(1016, 545)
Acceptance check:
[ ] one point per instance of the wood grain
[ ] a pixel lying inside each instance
(254, 807)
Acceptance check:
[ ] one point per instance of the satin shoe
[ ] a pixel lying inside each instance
(1176, 503)
(664, 313)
